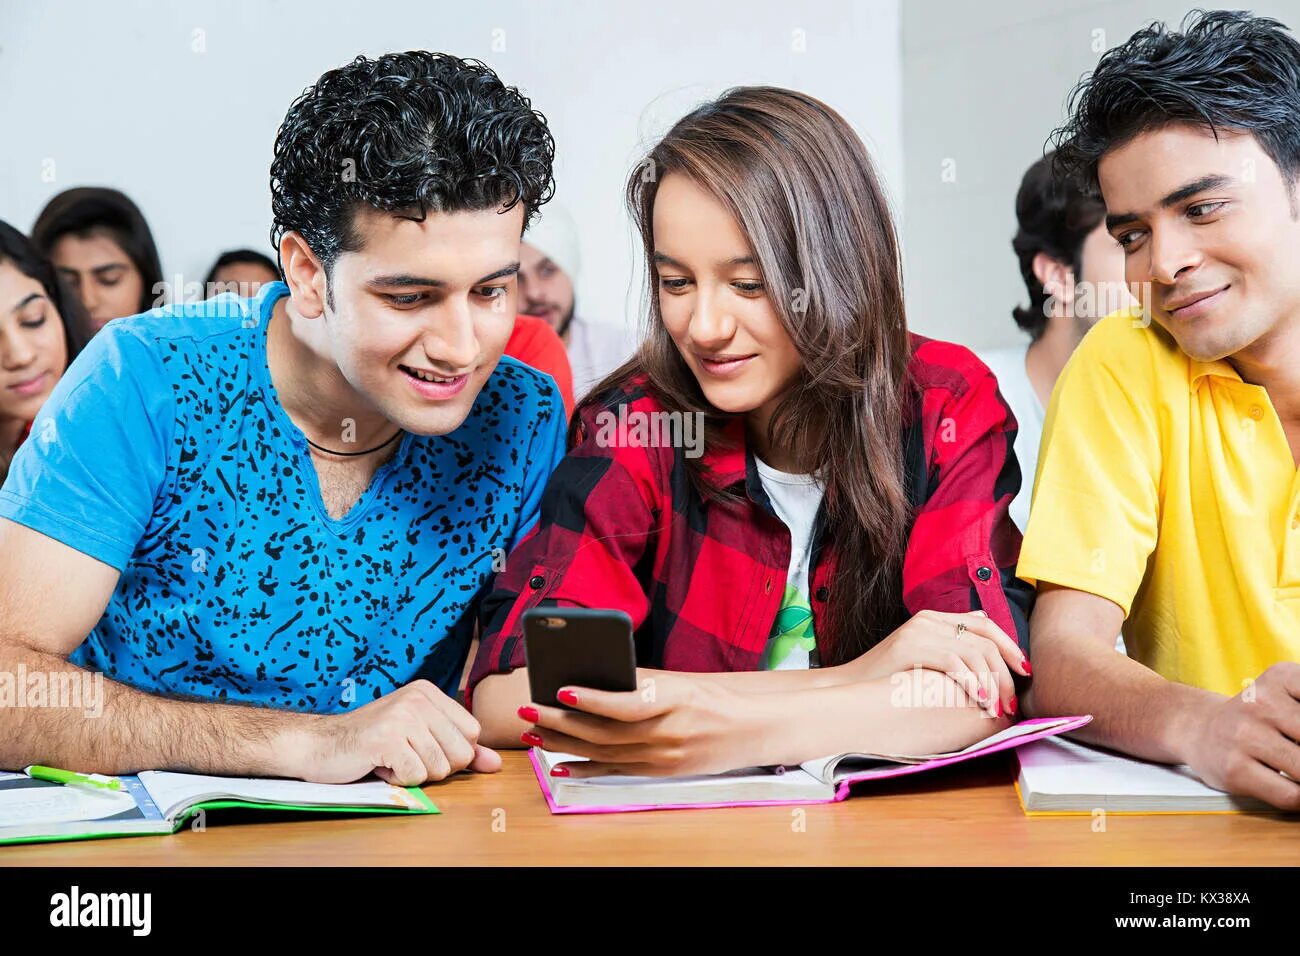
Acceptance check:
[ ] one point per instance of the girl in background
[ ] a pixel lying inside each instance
(42, 328)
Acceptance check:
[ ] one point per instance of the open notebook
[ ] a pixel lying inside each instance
(825, 780)
(157, 801)
(1065, 776)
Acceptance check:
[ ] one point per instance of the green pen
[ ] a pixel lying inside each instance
(96, 781)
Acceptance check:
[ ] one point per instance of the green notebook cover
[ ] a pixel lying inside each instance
(145, 819)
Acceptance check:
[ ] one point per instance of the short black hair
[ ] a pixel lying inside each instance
(427, 132)
(1226, 69)
(87, 209)
(1054, 215)
(239, 256)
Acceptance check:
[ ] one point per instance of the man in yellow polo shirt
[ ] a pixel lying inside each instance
(1167, 495)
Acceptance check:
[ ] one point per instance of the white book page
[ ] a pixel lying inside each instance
(173, 792)
(791, 777)
(827, 769)
(1057, 766)
(45, 806)
(824, 768)
(1015, 730)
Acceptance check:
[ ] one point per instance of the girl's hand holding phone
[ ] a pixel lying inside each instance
(673, 724)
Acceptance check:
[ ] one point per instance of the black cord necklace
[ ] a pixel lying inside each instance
(353, 454)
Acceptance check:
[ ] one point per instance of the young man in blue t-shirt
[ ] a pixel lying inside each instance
(268, 521)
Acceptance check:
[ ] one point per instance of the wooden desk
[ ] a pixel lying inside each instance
(962, 815)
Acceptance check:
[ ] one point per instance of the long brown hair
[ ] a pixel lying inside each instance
(800, 184)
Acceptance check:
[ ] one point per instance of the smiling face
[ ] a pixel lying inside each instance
(714, 303)
(101, 274)
(420, 313)
(33, 349)
(1209, 224)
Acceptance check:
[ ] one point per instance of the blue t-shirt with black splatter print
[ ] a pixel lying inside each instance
(165, 453)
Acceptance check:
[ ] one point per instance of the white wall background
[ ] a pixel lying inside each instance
(984, 85)
(118, 94)
(177, 103)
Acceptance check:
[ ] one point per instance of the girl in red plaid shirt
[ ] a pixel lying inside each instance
(801, 505)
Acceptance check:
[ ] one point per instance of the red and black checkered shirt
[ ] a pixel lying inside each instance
(622, 527)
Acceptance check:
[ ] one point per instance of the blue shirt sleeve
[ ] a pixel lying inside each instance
(548, 449)
(88, 474)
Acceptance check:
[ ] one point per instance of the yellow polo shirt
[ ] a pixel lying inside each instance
(1166, 485)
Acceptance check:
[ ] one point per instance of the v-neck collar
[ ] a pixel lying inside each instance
(263, 307)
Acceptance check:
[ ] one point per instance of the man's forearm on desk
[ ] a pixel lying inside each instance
(1134, 709)
(126, 730)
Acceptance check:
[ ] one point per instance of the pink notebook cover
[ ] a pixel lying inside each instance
(842, 789)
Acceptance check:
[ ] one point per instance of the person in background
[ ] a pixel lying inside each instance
(42, 329)
(535, 343)
(100, 243)
(242, 271)
(1074, 273)
(548, 274)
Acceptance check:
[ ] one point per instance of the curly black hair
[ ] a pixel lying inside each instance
(418, 131)
(1054, 215)
(1226, 69)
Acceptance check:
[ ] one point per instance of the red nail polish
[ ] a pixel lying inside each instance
(1011, 707)
(1028, 670)
(567, 696)
(997, 710)
(559, 771)
(528, 713)
(981, 694)
(530, 738)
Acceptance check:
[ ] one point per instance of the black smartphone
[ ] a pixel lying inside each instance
(580, 647)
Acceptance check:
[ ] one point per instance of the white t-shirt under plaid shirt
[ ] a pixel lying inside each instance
(795, 499)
